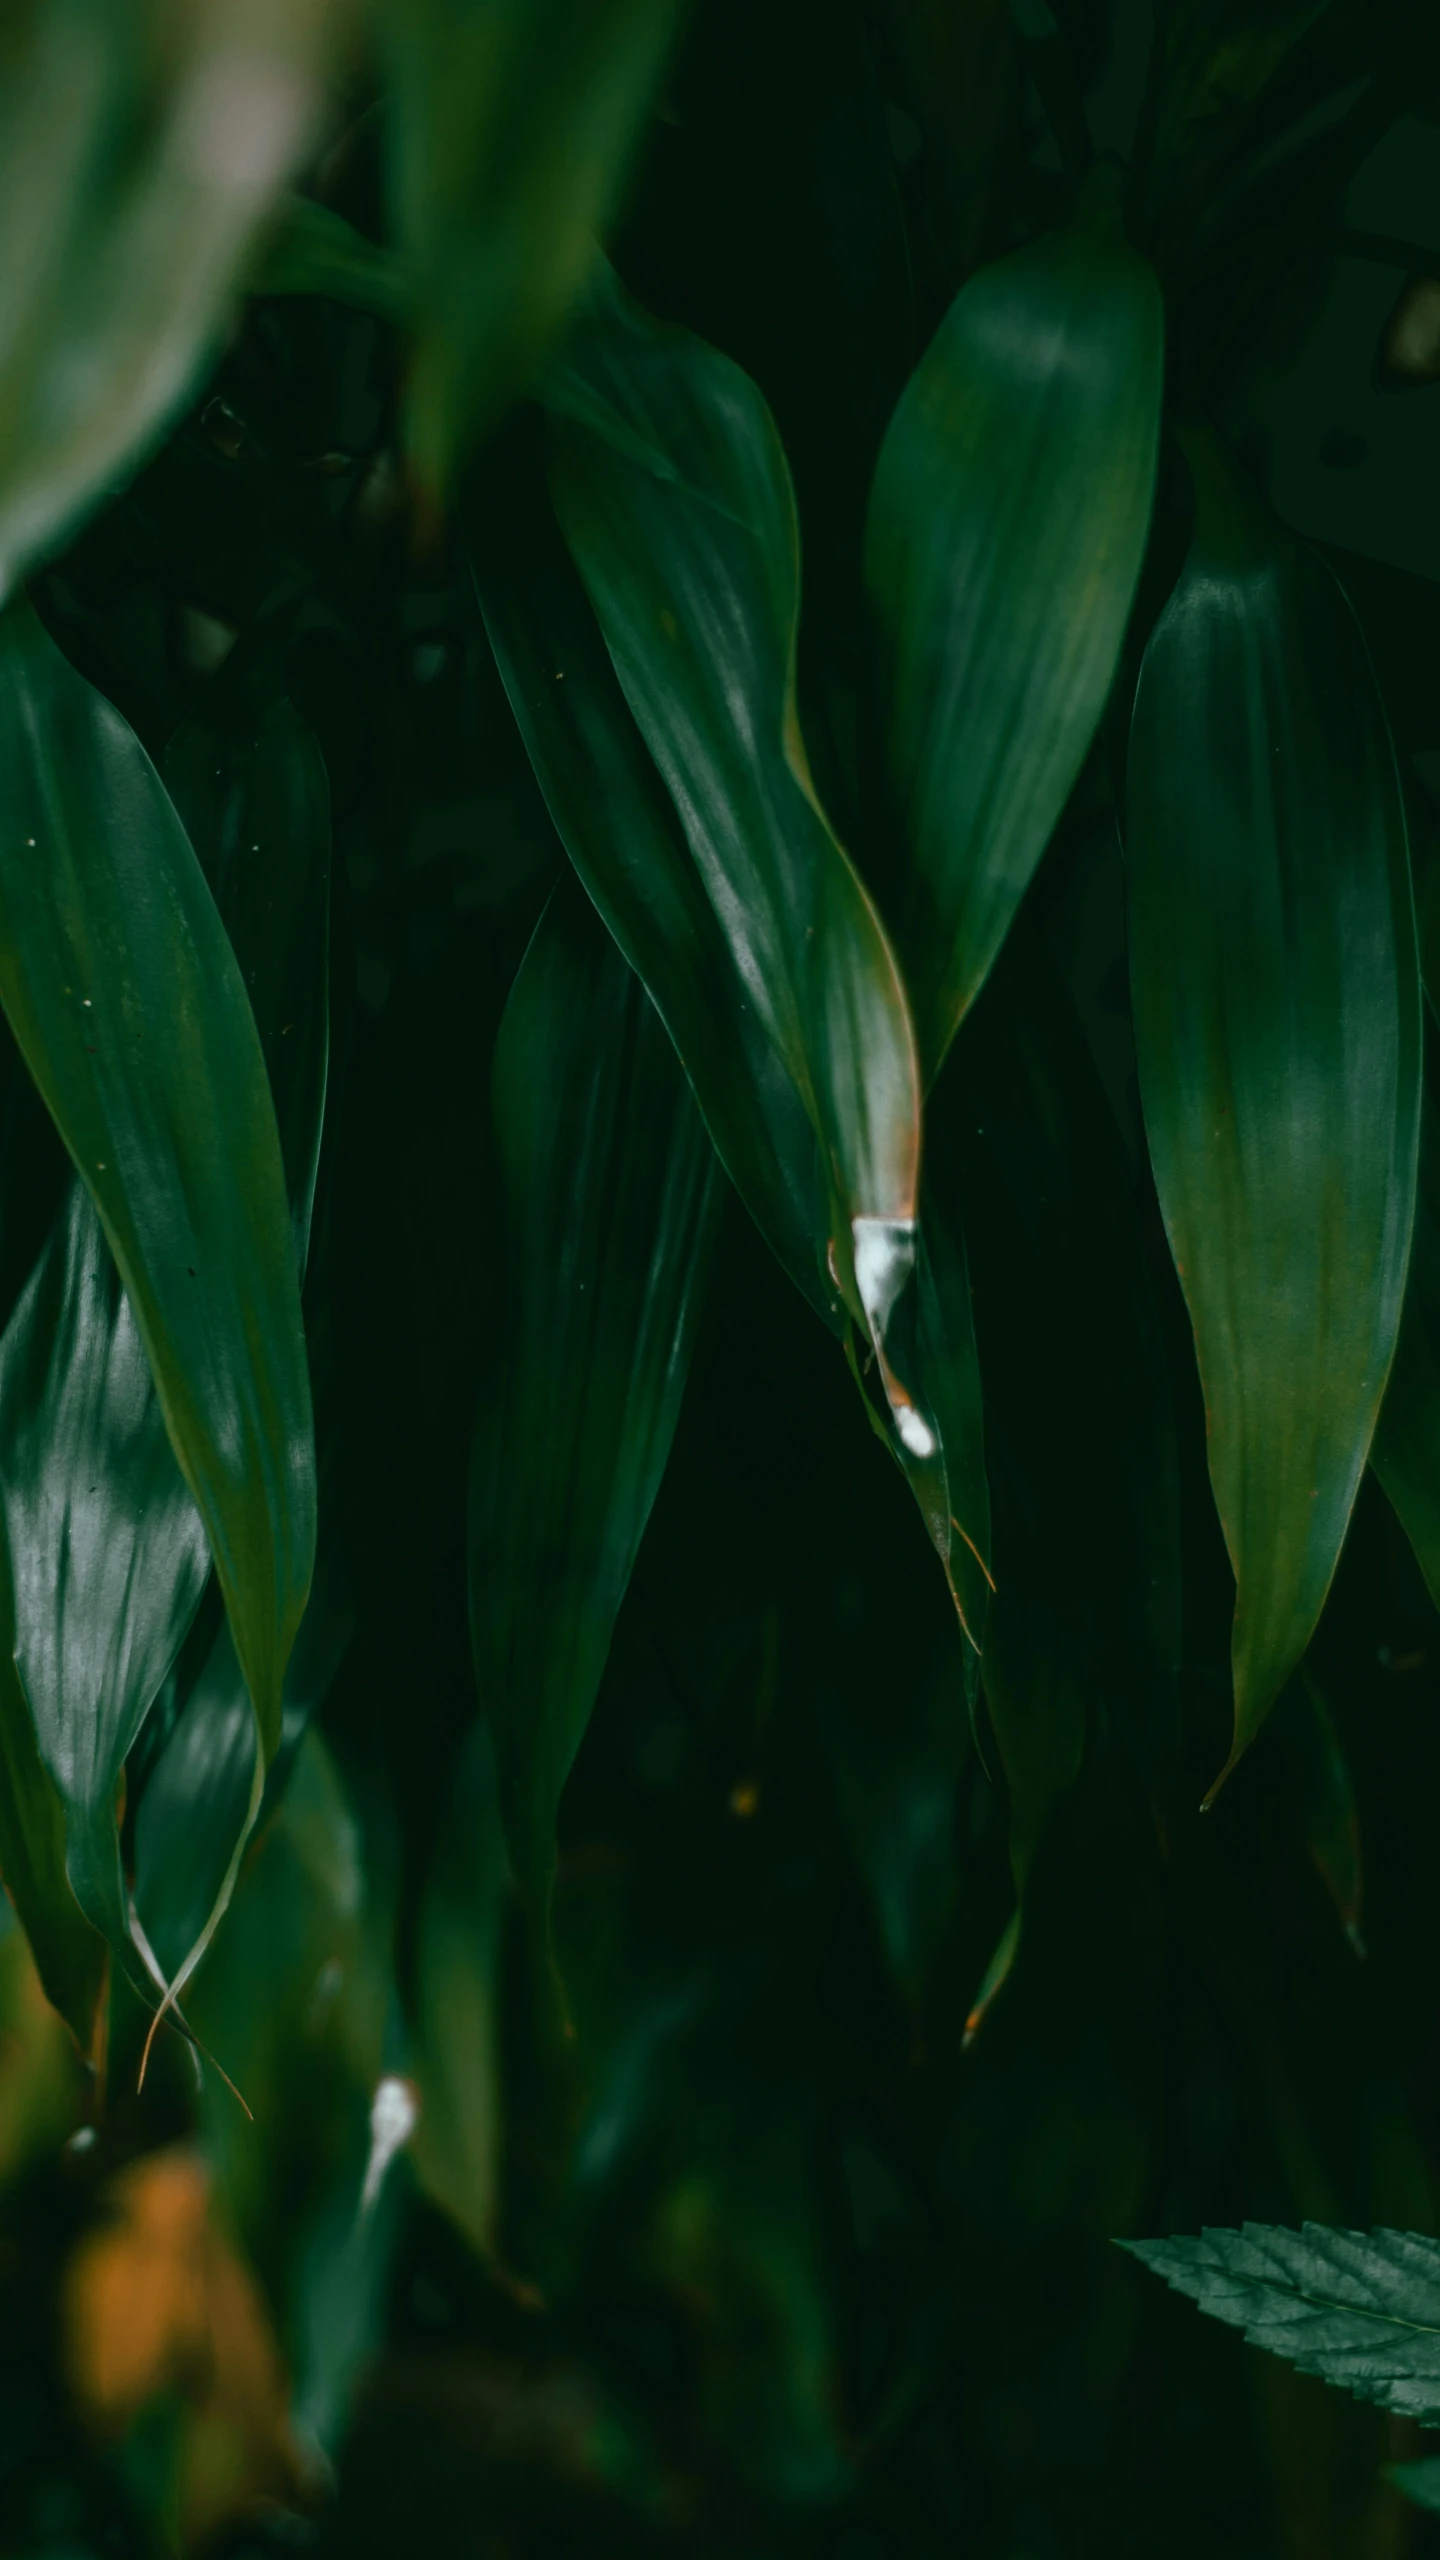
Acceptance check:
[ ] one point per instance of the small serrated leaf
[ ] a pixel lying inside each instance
(1361, 2309)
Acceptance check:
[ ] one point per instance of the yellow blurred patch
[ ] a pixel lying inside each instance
(158, 2305)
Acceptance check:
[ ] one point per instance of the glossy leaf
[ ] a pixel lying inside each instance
(1007, 524)
(1276, 1003)
(130, 1010)
(140, 150)
(623, 834)
(611, 1195)
(512, 126)
(196, 1800)
(109, 1552)
(1357, 2308)
(70, 1957)
(673, 495)
(1418, 2481)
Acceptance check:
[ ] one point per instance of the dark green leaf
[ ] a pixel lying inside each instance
(1007, 524)
(457, 2141)
(1405, 1452)
(512, 127)
(611, 1194)
(70, 1957)
(131, 1012)
(312, 250)
(108, 1549)
(139, 153)
(673, 494)
(620, 829)
(1357, 2308)
(1276, 1003)
(1418, 2481)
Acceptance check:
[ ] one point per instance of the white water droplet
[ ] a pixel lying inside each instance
(394, 2114)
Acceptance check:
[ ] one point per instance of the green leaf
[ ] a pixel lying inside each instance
(1418, 2481)
(457, 2146)
(1405, 1452)
(1007, 524)
(108, 1549)
(1277, 1024)
(672, 491)
(611, 1194)
(621, 830)
(1357, 2308)
(196, 1798)
(140, 150)
(70, 1957)
(312, 250)
(130, 1010)
(512, 125)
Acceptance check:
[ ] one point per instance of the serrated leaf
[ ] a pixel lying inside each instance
(130, 1009)
(673, 494)
(1007, 524)
(140, 150)
(511, 128)
(1357, 2308)
(1276, 1004)
(611, 1191)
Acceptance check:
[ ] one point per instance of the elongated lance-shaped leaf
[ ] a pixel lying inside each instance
(109, 1551)
(70, 1957)
(512, 124)
(611, 1194)
(130, 1010)
(1277, 1022)
(622, 832)
(673, 494)
(140, 150)
(1007, 524)
(1405, 1452)
(1357, 2308)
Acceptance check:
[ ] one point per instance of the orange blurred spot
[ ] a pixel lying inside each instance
(156, 2304)
(744, 1799)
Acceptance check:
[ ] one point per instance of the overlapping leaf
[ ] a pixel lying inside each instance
(1405, 1452)
(1006, 529)
(140, 149)
(1276, 1003)
(512, 125)
(622, 832)
(130, 1008)
(672, 491)
(611, 1194)
(1357, 2308)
